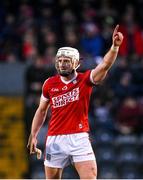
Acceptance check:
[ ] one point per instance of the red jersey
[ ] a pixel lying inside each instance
(69, 103)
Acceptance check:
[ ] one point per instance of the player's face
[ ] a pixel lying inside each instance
(64, 66)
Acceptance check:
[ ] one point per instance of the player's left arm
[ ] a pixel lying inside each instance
(99, 73)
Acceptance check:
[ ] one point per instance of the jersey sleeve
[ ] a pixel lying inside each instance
(88, 78)
(45, 91)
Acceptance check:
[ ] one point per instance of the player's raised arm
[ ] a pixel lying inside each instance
(99, 73)
(37, 122)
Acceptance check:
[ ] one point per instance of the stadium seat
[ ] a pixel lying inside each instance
(107, 171)
(127, 140)
(128, 155)
(130, 175)
(104, 136)
(129, 172)
(105, 153)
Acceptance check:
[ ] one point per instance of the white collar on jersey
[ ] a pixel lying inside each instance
(67, 82)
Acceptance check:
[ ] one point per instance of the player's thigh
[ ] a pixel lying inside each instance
(53, 173)
(86, 169)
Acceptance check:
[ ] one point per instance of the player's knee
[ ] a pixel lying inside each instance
(94, 172)
(91, 173)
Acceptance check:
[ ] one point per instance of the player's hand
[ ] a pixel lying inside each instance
(117, 37)
(32, 142)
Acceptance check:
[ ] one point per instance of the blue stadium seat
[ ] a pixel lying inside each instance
(129, 172)
(128, 155)
(104, 136)
(105, 153)
(107, 171)
(127, 140)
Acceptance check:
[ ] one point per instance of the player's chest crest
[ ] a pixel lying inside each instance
(63, 88)
(60, 89)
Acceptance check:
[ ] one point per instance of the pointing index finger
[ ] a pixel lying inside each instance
(116, 29)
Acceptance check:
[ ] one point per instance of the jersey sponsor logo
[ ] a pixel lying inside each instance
(66, 98)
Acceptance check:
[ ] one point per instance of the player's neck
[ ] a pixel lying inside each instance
(70, 77)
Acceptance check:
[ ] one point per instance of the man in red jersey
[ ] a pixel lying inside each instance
(68, 95)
